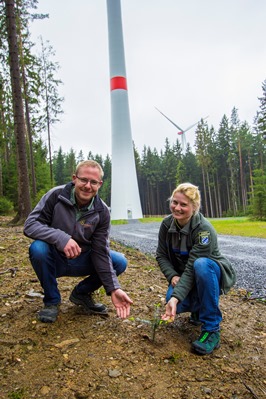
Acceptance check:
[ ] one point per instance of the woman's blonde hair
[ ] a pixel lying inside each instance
(191, 192)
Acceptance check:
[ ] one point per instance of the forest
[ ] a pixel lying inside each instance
(227, 164)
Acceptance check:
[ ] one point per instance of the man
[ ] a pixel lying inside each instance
(70, 226)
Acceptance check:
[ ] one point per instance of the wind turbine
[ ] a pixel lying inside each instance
(125, 198)
(181, 131)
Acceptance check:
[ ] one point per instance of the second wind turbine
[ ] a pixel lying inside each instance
(180, 130)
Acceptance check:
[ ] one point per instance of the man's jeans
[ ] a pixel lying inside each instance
(204, 296)
(49, 264)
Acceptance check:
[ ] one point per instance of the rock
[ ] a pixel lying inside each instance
(33, 294)
(45, 390)
(66, 343)
(114, 373)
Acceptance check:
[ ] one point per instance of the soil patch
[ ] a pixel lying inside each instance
(81, 356)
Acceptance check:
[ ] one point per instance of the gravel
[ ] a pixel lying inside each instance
(247, 255)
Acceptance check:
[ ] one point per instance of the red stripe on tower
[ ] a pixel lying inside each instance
(118, 82)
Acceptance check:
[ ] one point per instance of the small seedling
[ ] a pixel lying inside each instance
(174, 357)
(238, 343)
(155, 322)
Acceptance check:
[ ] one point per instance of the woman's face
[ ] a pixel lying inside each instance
(182, 208)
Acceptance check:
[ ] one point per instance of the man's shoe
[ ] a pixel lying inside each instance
(194, 319)
(86, 301)
(207, 342)
(48, 314)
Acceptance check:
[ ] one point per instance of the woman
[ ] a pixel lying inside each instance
(189, 257)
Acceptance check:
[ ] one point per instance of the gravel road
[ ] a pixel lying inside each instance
(248, 255)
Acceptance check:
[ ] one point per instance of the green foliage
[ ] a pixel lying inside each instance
(10, 178)
(258, 200)
(105, 190)
(6, 206)
(41, 166)
(18, 394)
(51, 101)
(59, 168)
(188, 169)
(174, 358)
(70, 164)
(262, 111)
(39, 195)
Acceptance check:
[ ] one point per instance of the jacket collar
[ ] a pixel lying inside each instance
(66, 193)
(193, 222)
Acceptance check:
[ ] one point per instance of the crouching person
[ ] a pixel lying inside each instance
(197, 273)
(70, 226)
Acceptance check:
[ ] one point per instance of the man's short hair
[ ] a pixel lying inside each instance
(90, 162)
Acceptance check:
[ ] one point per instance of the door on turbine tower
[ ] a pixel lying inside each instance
(129, 213)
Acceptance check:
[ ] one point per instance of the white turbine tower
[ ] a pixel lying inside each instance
(125, 199)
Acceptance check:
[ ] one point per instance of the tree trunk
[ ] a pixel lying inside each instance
(220, 209)
(250, 175)
(27, 111)
(1, 178)
(24, 201)
(47, 115)
(233, 190)
(228, 207)
(205, 194)
(33, 177)
(210, 193)
(215, 194)
(242, 189)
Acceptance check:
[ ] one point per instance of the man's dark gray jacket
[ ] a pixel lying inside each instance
(53, 220)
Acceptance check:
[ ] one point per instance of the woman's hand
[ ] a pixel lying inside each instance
(170, 310)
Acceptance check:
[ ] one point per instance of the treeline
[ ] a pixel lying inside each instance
(29, 105)
(228, 164)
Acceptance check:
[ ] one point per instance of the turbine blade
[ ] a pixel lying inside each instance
(179, 128)
(190, 127)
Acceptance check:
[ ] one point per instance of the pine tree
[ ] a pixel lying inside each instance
(262, 112)
(24, 201)
(258, 202)
(51, 100)
(59, 167)
(70, 164)
(105, 190)
(202, 143)
(42, 170)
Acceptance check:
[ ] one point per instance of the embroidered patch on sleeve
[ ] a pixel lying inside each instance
(204, 237)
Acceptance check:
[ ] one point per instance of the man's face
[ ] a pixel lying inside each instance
(87, 183)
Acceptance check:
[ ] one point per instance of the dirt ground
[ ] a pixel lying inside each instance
(81, 356)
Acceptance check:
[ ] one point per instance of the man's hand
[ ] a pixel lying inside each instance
(121, 302)
(175, 280)
(170, 309)
(72, 249)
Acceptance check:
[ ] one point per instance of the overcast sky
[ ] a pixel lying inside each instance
(188, 58)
